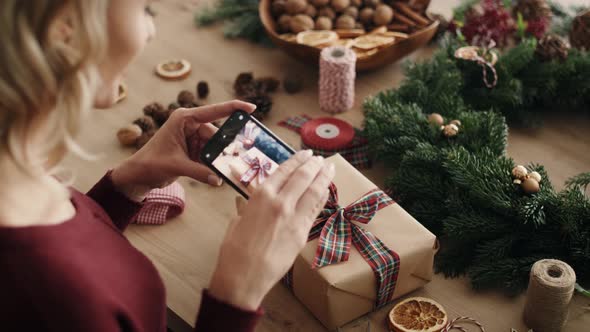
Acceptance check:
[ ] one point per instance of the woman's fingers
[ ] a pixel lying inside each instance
(313, 198)
(213, 112)
(206, 131)
(276, 181)
(198, 172)
(301, 179)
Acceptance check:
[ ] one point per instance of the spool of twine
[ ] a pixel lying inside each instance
(337, 75)
(550, 291)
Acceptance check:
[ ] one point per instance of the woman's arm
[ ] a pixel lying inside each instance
(219, 316)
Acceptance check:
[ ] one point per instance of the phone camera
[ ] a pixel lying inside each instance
(241, 117)
(208, 155)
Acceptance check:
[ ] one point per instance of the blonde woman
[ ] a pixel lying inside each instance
(65, 266)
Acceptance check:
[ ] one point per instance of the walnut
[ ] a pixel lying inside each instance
(323, 23)
(356, 3)
(296, 6)
(340, 5)
(383, 15)
(284, 23)
(366, 15)
(186, 98)
(310, 11)
(146, 123)
(328, 12)
(352, 11)
(301, 23)
(345, 22)
(372, 3)
(128, 135)
(320, 3)
(278, 7)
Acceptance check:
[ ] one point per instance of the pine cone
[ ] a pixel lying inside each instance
(157, 112)
(146, 123)
(580, 33)
(263, 105)
(532, 9)
(244, 84)
(552, 47)
(266, 85)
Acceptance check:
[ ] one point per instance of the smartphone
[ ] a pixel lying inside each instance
(244, 152)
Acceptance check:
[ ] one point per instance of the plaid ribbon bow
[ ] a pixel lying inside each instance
(336, 233)
(160, 205)
(260, 168)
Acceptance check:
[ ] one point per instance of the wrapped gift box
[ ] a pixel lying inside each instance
(341, 292)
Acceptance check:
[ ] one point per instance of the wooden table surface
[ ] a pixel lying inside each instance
(185, 249)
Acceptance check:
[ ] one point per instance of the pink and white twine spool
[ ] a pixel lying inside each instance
(337, 75)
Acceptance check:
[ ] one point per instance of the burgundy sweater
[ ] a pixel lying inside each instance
(84, 275)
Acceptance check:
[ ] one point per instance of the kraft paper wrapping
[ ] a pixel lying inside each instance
(339, 293)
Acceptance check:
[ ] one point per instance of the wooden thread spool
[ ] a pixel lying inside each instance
(550, 291)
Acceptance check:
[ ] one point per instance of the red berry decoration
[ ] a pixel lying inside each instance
(494, 23)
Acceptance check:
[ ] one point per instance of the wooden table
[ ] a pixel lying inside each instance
(185, 249)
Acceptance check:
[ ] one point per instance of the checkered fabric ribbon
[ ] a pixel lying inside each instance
(258, 168)
(356, 153)
(336, 233)
(161, 204)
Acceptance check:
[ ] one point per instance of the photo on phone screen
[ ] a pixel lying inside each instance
(244, 152)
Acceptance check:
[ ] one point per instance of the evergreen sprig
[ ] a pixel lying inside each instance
(241, 19)
(461, 187)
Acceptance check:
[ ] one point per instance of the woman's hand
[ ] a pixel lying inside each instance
(261, 245)
(174, 151)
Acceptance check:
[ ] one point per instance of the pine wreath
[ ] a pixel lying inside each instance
(461, 187)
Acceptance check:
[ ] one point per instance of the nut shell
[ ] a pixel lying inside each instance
(294, 7)
(320, 3)
(328, 12)
(519, 172)
(146, 123)
(284, 23)
(340, 5)
(383, 15)
(345, 22)
(323, 23)
(278, 7)
(128, 135)
(366, 15)
(186, 98)
(352, 11)
(311, 11)
(535, 176)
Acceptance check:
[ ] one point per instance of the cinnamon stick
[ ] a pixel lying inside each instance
(398, 27)
(402, 7)
(403, 19)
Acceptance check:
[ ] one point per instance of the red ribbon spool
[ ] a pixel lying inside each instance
(327, 133)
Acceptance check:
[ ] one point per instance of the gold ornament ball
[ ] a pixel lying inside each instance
(456, 123)
(128, 135)
(530, 186)
(450, 130)
(436, 119)
(519, 172)
(535, 176)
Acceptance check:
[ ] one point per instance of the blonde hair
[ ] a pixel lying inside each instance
(46, 81)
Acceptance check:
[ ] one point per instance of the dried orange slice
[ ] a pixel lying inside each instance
(173, 69)
(395, 34)
(418, 314)
(350, 33)
(290, 37)
(346, 42)
(368, 42)
(122, 93)
(363, 54)
(316, 38)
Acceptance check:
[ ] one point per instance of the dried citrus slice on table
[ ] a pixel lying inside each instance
(316, 38)
(371, 41)
(418, 314)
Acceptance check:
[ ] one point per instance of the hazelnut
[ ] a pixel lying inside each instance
(340, 5)
(345, 22)
(366, 15)
(296, 6)
(323, 23)
(328, 12)
(186, 98)
(320, 3)
(301, 23)
(128, 135)
(356, 3)
(310, 11)
(383, 15)
(284, 23)
(352, 11)
(278, 7)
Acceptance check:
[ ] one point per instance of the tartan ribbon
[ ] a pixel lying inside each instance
(258, 168)
(356, 153)
(336, 232)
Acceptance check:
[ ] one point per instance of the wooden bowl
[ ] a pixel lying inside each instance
(311, 55)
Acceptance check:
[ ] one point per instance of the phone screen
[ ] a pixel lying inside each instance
(244, 152)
